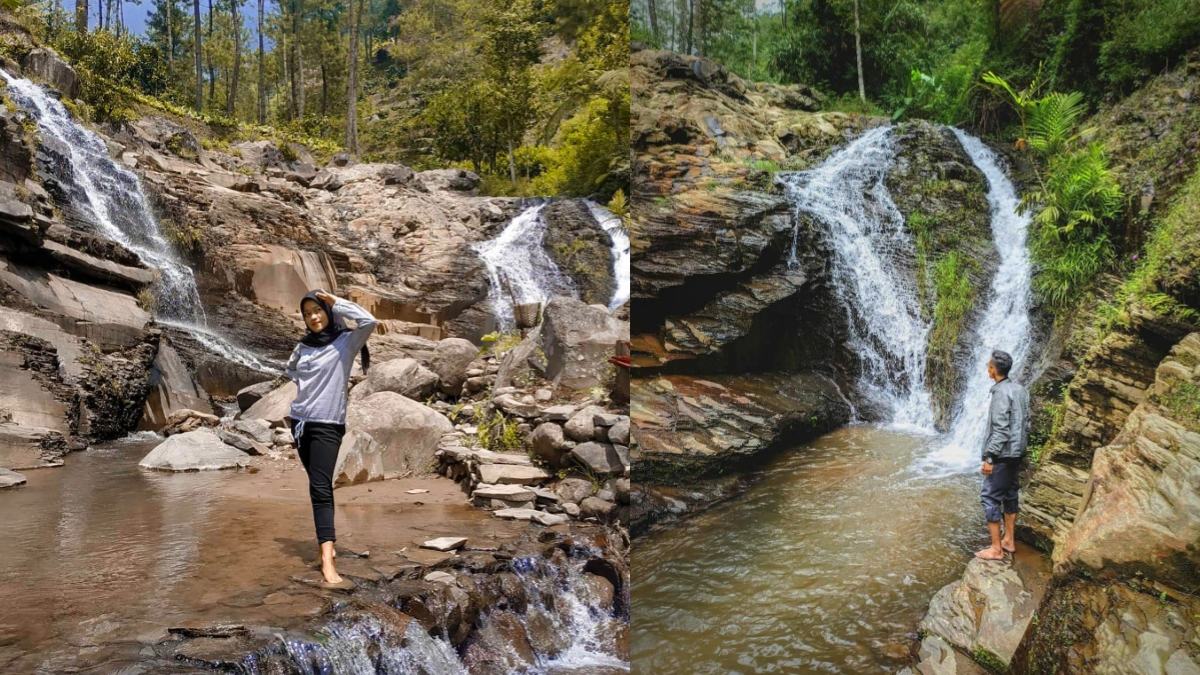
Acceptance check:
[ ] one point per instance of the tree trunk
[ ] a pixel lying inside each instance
(168, 4)
(512, 164)
(297, 64)
(862, 91)
(230, 104)
(325, 81)
(262, 77)
(198, 48)
(653, 20)
(212, 74)
(352, 86)
(691, 19)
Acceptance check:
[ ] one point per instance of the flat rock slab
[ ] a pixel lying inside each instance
(440, 577)
(489, 457)
(199, 450)
(512, 493)
(445, 543)
(10, 478)
(511, 474)
(533, 515)
(990, 608)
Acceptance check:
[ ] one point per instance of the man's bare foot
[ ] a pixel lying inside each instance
(990, 553)
(1009, 545)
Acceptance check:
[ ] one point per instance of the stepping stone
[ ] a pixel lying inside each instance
(489, 457)
(546, 495)
(513, 493)
(540, 517)
(445, 543)
(10, 478)
(510, 474)
(416, 491)
(558, 413)
(440, 577)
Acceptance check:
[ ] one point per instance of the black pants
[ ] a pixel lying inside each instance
(999, 493)
(318, 450)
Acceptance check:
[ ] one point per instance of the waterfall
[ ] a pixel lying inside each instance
(110, 198)
(1005, 324)
(518, 267)
(611, 223)
(558, 599)
(865, 231)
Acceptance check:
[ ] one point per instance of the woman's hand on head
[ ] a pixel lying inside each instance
(327, 298)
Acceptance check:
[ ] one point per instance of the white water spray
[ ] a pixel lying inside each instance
(865, 231)
(1005, 324)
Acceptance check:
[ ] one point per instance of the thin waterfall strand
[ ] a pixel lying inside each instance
(1005, 323)
(612, 225)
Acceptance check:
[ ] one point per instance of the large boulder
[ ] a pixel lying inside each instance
(389, 434)
(578, 340)
(172, 389)
(987, 611)
(1141, 509)
(249, 395)
(274, 407)
(601, 459)
(450, 360)
(404, 376)
(45, 65)
(198, 450)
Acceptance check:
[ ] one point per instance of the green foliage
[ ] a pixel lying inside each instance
(498, 343)
(1167, 267)
(1183, 400)
(105, 63)
(1076, 197)
(1079, 191)
(954, 298)
(497, 433)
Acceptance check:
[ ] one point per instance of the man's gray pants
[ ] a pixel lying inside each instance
(999, 493)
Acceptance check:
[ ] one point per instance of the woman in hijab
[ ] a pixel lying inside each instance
(320, 367)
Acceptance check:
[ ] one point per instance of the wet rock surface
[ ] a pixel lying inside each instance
(686, 427)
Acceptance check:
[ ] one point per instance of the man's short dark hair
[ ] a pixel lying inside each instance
(1002, 361)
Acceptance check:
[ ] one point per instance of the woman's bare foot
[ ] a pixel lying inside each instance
(328, 553)
(990, 553)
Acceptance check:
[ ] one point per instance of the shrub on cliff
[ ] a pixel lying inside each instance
(1077, 195)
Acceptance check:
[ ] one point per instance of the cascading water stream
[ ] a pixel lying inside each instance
(519, 269)
(110, 197)
(611, 223)
(1005, 324)
(865, 231)
(559, 599)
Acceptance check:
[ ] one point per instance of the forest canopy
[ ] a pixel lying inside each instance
(532, 94)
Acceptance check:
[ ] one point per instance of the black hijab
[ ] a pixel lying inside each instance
(333, 328)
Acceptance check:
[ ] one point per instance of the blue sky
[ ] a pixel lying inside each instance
(136, 14)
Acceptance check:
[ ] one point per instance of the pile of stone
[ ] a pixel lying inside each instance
(577, 465)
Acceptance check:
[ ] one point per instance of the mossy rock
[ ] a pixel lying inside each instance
(943, 197)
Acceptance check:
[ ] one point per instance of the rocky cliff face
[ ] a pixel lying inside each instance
(714, 296)
(1152, 137)
(739, 347)
(259, 225)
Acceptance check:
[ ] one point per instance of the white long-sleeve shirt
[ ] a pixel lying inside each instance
(321, 374)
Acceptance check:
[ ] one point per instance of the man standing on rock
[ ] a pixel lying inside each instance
(1003, 450)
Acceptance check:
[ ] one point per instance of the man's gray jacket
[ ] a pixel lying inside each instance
(1008, 422)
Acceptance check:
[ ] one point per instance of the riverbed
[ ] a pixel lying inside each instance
(825, 564)
(101, 556)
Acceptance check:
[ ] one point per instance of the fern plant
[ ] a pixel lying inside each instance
(1078, 190)
(1052, 120)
